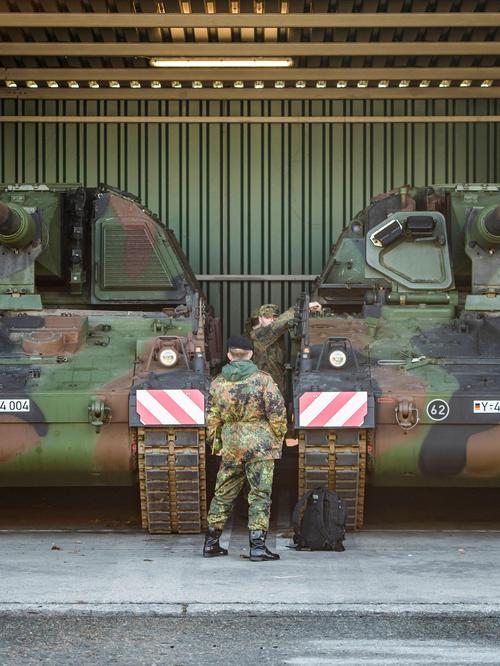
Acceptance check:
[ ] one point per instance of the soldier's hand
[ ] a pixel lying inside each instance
(314, 306)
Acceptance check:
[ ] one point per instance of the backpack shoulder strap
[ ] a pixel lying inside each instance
(323, 493)
(298, 508)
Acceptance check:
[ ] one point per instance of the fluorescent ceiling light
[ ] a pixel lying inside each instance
(221, 62)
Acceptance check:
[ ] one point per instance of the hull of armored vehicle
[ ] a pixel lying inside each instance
(106, 348)
(404, 389)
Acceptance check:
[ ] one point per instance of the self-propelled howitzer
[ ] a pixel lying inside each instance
(398, 380)
(106, 347)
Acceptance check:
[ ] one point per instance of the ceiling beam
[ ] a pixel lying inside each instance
(245, 120)
(248, 74)
(249, 93)
(248, 20)
(252, 49)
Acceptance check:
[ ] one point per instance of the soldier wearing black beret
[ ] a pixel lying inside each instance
(246, 424)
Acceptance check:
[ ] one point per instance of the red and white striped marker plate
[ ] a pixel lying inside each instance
(329, 409)
(171, 407)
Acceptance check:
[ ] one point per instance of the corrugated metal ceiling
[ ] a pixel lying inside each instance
(357, 48)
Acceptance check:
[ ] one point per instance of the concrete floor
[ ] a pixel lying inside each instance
(379, 571)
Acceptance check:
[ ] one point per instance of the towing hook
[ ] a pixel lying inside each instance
(406, 414)
(99, 413)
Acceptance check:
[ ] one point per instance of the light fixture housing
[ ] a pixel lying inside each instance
(363, 84)
(197, 84)
(487, 83)
(337, 358)
(321, 84)
(341, 84)
(168, 357)
(73, 84)
(404, 83)
(300, 84)
(93, 84)
(114, 84)
(176, 84)
(217, 84)
(221, 62)
(155, 84)
(383, 84)
(445, 83)
(52, 84)
(466, 83)
(258, 84)
(10, 84)
(239, 84)
(135, 84)
(32, 84)
(279, 84)
(425, 83)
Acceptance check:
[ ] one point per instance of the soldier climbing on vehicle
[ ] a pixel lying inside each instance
(268, 339)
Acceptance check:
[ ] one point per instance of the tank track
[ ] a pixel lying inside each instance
(172, 480)
(336, 459)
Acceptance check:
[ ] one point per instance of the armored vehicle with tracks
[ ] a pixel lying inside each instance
(106, 348)
(397, 382)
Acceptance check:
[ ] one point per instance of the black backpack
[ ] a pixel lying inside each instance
(322, 525)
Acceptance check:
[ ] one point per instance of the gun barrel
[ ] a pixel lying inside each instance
(17, 227)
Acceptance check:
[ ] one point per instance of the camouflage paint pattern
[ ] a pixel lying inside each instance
(85, 308)
(247, 418)
(230, 479)
(418, 318)
(269, 349)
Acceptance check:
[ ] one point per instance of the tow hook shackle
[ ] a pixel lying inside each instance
(406, 414)
(99, 413)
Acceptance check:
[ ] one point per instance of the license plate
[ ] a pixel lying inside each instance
(14, 405)
(487, 407)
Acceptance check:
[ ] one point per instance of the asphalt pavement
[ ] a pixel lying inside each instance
(243, 639)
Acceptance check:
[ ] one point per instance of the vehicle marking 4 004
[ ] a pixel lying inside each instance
(14, 405)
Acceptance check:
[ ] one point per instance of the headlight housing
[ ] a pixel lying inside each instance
(337, 358)
(168, 357)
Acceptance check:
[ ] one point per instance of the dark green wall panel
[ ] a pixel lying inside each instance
(251, 198)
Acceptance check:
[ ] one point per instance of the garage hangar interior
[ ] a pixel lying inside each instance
(267, 126)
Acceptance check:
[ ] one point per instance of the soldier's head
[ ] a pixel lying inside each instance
(254, 317)
(239, 348)
(268, 313)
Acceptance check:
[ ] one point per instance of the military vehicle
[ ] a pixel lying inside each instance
(397, 381)
(106, 347)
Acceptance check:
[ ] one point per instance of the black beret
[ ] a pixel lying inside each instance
(239, 342)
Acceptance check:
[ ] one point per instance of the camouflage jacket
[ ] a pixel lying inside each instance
(246, 414)
(269, 347)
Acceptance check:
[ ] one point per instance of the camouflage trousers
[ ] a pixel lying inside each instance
(230, 479)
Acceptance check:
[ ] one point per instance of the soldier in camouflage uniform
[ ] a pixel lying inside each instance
(246, 423)
(268, 340)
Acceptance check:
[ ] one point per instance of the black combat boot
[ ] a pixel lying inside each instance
(212, 548)
(258, 550)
